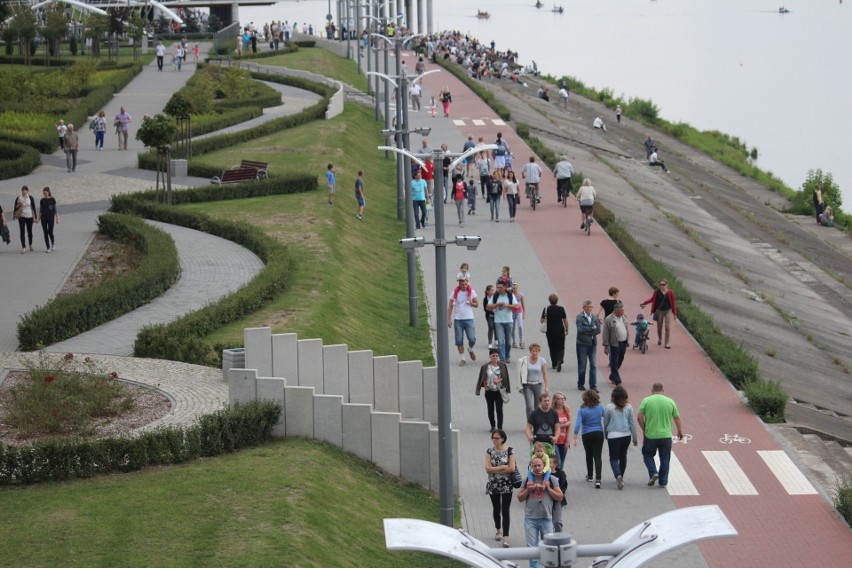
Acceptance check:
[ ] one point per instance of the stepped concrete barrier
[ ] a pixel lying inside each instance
(376, 407)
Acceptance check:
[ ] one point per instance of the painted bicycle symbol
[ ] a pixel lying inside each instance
(686, 438)
(730, 439)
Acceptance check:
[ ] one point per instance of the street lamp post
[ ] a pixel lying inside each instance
(445, 434)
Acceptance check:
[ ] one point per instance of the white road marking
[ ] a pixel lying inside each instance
(458, 122)
(790, 477)
(679, 481)
(729, 472)
(497, 122)
(477, 122)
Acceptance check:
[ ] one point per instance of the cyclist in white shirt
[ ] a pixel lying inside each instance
(563, 172)
(532, 173)
(586, 196)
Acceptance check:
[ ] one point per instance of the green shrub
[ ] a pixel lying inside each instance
(206, 123)
(227, 430)
(842, 498)
(280, 185)
(17, 159)
(62, 395)
(767, 399)
(70, 315)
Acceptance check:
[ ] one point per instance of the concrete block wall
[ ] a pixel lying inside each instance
(378, 408)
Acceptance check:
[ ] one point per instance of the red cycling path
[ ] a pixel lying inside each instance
(779, 524)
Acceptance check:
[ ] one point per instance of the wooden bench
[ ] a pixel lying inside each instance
(260, 167)
(236, 175)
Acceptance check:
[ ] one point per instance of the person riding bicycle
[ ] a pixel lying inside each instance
(586, 196)
(643, 329)
(532, 173)
(563, 172)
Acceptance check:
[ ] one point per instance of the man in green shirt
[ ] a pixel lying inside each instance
(655, 418)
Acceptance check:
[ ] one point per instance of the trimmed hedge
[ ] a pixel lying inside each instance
(70, 315)
(224, 120)
(281, 185)
(17, 159)
(487, 96)
(148, 160)
(183, 339)
(225, 431)
(229, 52)
(47, 142)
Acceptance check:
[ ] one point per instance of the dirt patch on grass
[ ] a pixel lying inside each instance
(148, 405)
(104, 260)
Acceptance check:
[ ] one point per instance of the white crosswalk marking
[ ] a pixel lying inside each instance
(790, 477)
(729, 472)
(679, 481)
(458, 122)
(497, 122)
(477, 122)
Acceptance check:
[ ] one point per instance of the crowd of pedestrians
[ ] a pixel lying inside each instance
(543, 487)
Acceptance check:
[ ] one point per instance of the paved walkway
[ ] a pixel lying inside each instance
(781, 518)
(211, 268)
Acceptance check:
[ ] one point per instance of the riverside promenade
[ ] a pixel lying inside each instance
(729, 457)
(781, 518)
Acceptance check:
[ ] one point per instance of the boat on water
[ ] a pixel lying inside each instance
(482, 15)
(539, 4)
(557, 9)
(783, 10)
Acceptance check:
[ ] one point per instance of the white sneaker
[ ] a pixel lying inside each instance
(47, 250)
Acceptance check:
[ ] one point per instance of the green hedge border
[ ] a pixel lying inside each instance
(79, 114)
(67, 316)
(183, 339)
(17, 160)
(148, 160)
(224, 431)
(227, 52)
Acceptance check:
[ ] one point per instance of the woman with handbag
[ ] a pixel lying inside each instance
(26, 213)
(663, 309)
(500, 467)
(494, 378)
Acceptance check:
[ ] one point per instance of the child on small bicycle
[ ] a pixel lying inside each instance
(643, 330)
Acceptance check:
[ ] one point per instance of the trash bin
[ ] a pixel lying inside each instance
(234, 358)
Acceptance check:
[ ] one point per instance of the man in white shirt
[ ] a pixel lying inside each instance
(655, 160)
(460, 316)
(532, 173)
(563, 172)
(599, 123)
(563, 94)
(414, 93)
(160, 50)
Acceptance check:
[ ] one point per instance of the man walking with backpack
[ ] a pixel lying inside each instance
(502, 304)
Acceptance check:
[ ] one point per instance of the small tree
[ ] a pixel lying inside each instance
(94, 28)
(159, 132)
(214, 23)
(192, 24)
(55, 28)
(117, 19)
(24, 25)
(803, 200)
(136, 29)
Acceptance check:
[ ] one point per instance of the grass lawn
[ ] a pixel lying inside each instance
(323, 62)
(349, 279)
(288, 503)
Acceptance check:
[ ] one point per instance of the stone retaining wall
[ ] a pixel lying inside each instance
(377, 407)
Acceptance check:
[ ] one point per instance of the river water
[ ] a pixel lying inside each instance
(738, 66)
